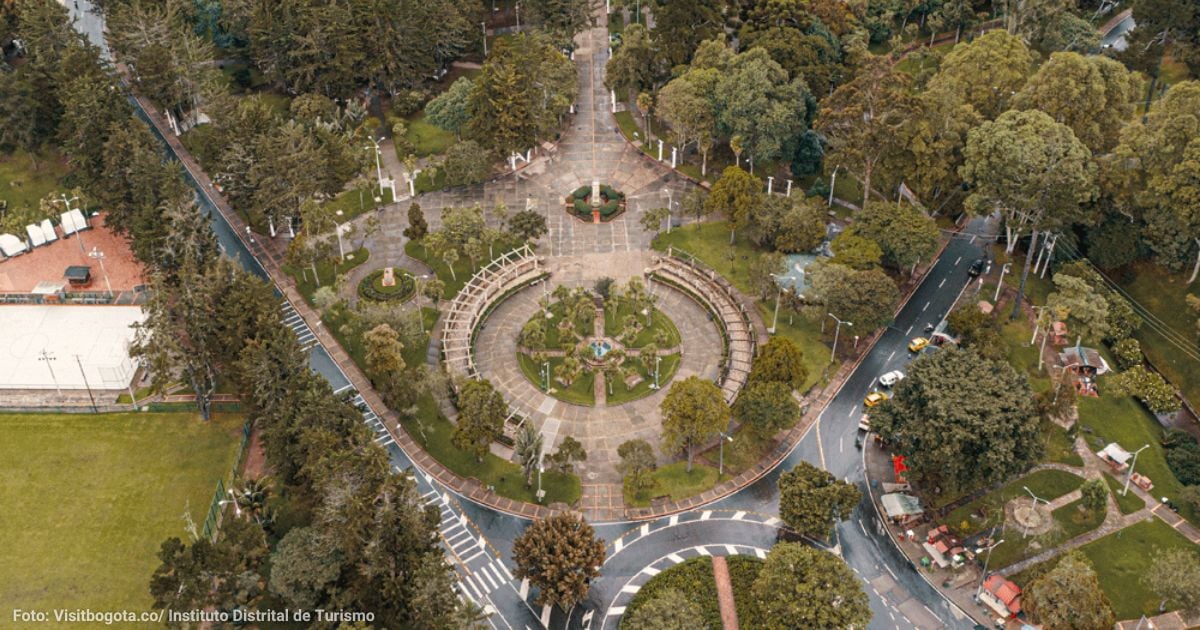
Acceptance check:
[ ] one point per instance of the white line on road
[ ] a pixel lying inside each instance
(925, 307)
(943, 282)
(909, 331)
(890, 572)
(957, 260)
(863, 528)
(853, 410)
(891, 355)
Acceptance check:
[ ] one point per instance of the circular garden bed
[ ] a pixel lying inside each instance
(612, 203)
(372, 287)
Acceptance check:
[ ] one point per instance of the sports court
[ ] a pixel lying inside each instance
(66, 347)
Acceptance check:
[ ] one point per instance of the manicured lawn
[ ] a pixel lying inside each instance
(23, 187)
(580, 392)
(1057, 446)
(454, 282)
(1123, 420)
(1023, 356)
(1121, 558)
(666, 371)
(434, 432)
(1046, 484)
(359, 200)
(1130, 502)
(583, 325)
(807, 336)
(674, 481)
(426, 137)
(1165, 295)
(614, 323)
(337, 319)
(1069, 522)
(326, 273)
(88, 499)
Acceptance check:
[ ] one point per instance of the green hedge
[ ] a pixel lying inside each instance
(694, 578)
(582, 192)
(371, 287)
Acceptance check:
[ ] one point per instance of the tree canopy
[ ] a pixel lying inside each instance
(803, 587)
(560, 555)
(693, 410)
(811, 499)
(1069, 596)
(961, 421)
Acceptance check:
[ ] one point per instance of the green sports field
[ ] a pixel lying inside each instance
(86, 500)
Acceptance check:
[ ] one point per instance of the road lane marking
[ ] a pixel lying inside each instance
(891, 355)
(925, 307)
(820, 446)
(942, 283)
(674, 558)
(737, 516)
(841, 447)
(957, 260)
(853, 410)
(909, 331)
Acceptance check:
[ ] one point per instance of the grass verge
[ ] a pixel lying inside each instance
(434, 432)
(327, 273)
(988, 510)
(675, 482)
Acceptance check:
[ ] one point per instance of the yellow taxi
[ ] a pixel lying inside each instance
(917, 344)
(874, 399)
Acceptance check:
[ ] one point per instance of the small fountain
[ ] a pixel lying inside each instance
(600, 348)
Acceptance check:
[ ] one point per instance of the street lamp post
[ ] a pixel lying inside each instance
(775, 318)
(657, 361)
(669, 204)
(1036, 498)
(483, 25)
(67, 207)
(1000, 283)
(985, 566)
(337, 228)
(721, 456)
(836, 330)
(546, 376)
(98, 255)
(541, 494)
(1129, 475)
(378, 166)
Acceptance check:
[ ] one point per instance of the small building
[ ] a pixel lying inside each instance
(1116, 457)
(901, 508)
(1002, 596)
(1085, 362)
(78, 276)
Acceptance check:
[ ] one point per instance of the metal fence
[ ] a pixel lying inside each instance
(212, 522)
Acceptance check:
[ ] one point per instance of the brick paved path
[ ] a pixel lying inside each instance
(729, 619)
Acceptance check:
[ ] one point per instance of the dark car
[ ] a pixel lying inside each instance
(977, 268)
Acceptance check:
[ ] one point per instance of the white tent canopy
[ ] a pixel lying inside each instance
(35, 234)
(11, 245)
(48, 231)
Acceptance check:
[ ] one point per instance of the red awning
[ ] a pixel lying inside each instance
(899, 467)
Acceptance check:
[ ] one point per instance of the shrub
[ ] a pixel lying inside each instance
(371, 287)
(1183, 456)
(408, 102)
(582, 192)
(1148, 387)
(1128, 353)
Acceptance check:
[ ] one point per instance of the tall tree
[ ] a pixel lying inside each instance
(866, 298)
(448, 110)
(688, 105)
(528, 225)
(636, 465)
(523, 90)
(562, 19)
(986, 73)
(865, 121)
(1076, 301)
(559, 555)
(905, 234)
(779, 360)
(226, 574)
(954, 437)
(802, 587)
(417, 226)
(1092, 95)
(811, 500)
(528, 450)
(481, 412)
(693, 410)
(679, 27)
(634, 66)
(765, 408)
(1069, 597)
(758, 102)
(1031, 169)
(1174, 575)
(734, 194)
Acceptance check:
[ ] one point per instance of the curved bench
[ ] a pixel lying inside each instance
(494, 281)
(717, 296)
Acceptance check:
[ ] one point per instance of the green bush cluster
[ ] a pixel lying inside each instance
(581, 204)
(371, 287)
(1183, 456)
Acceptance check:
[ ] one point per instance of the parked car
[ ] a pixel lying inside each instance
(891, 378)
(874, 399)
(977, 267)
(917, 344)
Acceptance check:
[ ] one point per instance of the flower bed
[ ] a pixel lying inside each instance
(580, 203)
(371, 287)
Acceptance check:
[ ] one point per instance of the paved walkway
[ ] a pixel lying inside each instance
(729, 619)
(600, 429)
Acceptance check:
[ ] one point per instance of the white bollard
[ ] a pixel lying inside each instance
(770, 183)
(674, 151)
(789, 188)
(613, 94)
(660, 150)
